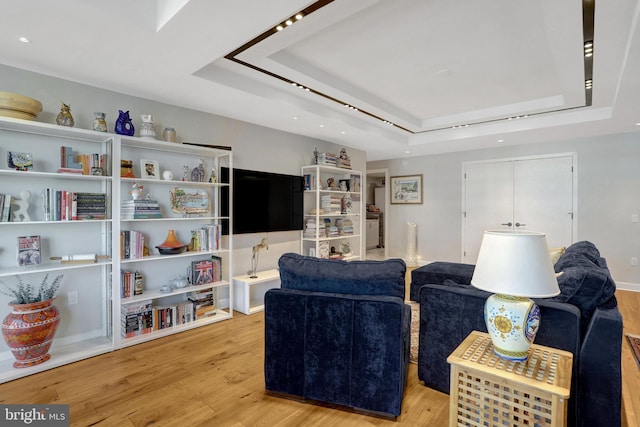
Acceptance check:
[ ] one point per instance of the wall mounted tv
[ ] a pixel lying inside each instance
(265, 201)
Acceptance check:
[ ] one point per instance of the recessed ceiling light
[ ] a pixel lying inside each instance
(638, 124)
(299, 16)
(321, 126)
(24, 39)
(289, 22)
(407, 152)
(279, 28)
(501, 140)
(343, 132)
(295, 118)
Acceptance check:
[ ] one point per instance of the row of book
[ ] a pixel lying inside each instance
(207, 238)
(5, 207)
(131, 283)
(140, 209)
(131, 244)
(62, 205)
(85, 164)
(143, 317)
(352, 184)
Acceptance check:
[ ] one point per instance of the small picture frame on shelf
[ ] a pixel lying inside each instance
(406, 189)
(149, 169)
(19, 161)
(126, 169)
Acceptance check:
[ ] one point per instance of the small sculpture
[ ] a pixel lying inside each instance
(264, 244)
(197, 174)
(64, 116)
(136, 191)
(20, 208)
(124, 126)
(213, 178)
(185, 173)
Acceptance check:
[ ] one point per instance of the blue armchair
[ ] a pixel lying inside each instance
(339, 332)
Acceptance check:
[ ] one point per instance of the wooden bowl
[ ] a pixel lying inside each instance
(19, 106)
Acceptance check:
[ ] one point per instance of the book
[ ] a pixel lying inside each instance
(201, 272)
(5, 214)
(29, 250)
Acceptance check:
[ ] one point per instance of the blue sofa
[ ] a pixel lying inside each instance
(583, 319)
(339, 332)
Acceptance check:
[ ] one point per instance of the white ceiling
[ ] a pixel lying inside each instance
(428, 66)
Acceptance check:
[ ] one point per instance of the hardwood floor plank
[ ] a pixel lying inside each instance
(214, 376)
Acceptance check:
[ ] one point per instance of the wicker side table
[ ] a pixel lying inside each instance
(487, 390)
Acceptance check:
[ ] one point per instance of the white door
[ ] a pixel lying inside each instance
(543, 198)
(488, 203)
(527, 194)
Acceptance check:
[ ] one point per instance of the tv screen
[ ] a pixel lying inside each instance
(265, 201)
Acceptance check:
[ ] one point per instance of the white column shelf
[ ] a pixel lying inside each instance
(248, 293)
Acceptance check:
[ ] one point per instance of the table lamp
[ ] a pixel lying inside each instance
(514, 266)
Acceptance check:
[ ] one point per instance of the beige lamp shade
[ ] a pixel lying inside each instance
(515, 263)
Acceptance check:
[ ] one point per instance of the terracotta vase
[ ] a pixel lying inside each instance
(29, 330)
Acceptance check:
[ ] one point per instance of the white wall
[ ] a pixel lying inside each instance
(608, 176)
(254, 147)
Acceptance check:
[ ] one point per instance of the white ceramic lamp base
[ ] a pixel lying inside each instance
(512, 323)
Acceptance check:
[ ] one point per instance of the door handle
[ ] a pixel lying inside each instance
(508, 224)
(520, 225)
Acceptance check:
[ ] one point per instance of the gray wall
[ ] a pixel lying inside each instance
(608, 173)
(254, 147)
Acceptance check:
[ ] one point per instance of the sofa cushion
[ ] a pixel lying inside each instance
(583, 254)
(586, 288)
(336, 276)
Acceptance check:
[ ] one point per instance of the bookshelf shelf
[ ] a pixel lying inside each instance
(84, 329)
(332, 206)
(90, 300)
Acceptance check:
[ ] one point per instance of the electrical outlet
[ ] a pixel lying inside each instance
(634, 261)
(73, 297)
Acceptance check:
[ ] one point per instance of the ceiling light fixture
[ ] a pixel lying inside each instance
(23, 39)
(587, 33)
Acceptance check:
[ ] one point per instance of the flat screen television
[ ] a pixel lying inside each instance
(264, 201)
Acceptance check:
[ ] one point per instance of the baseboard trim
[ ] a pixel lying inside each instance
(625, 286)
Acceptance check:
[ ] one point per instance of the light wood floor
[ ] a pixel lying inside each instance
(213, 376)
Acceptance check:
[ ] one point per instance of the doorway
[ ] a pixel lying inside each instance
(377, 207)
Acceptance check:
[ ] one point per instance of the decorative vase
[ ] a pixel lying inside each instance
(148, 129)
(124, 126)
(64, 117)
(171, 245)
(169, 134)
(99, 123)
(28, 331)
(167, 175)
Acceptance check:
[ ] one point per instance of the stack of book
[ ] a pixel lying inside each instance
(309, 181)
(327, 159)
(331, 203)
(311, 226)
(131, 244)
(5, 207)
(137, 319)
(204, 303)
(206, 271)
(140, 209)
(345, 226)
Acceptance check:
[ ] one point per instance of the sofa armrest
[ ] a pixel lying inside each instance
(600, 374)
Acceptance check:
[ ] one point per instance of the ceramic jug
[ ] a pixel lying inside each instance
(148, 129)
(124, 126)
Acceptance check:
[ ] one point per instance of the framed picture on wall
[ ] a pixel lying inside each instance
(406, 190)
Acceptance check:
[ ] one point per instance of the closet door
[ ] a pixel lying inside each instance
(527, 194)
(488, 203)
(543, 198)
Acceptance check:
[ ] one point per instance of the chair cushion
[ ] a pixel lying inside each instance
(342, 277)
